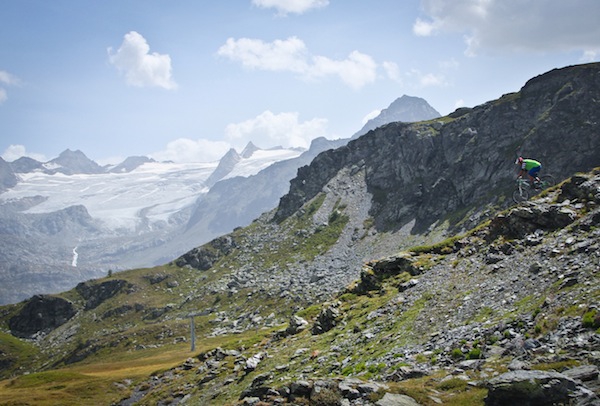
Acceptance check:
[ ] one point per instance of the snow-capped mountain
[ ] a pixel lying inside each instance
(137, 200)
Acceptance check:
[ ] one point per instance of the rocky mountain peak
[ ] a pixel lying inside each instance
(408, 109)
(70, 162)
(26, 164)
(226, 165)
(249, 150)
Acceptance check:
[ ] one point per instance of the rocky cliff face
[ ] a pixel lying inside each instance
(427, 171)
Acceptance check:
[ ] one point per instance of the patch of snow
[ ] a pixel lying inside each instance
(261, 159)
(120, 200)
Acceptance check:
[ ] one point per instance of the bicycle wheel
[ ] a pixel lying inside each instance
(547, 181)
(520, 195)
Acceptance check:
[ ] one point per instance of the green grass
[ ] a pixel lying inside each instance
(16, 355)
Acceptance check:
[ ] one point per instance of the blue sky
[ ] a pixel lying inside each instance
(186, 80)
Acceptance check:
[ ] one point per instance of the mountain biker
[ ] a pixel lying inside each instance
(531, 167)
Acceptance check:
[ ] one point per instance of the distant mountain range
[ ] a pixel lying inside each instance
(70, 219)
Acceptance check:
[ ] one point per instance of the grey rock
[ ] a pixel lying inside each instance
(393, 399)
(41, 314)
(531, 388)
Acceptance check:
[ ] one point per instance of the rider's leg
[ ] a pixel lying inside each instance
(533, 174)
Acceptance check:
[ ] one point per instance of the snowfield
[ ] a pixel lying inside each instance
(141, 200)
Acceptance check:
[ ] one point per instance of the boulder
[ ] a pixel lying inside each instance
(394, 399)
(326, 320)
(204, 257)
(536, 388)
(41, 314)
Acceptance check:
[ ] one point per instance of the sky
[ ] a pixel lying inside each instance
(186, 80)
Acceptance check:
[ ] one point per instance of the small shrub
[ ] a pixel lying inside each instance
(456, 353)
(591, 319)
(347, 370)
(475, 353)
(376, 368)
(493, 339)
(421, 359)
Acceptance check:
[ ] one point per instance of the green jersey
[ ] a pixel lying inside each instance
(529, 163)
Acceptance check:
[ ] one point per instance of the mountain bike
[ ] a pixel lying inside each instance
(525, 189)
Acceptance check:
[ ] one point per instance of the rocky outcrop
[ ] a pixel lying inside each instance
(327, 319)
(526, 219)
(40, 315)
(204, 257)
(96, 293)
(375, 272)
(319, 392)
(537, 388)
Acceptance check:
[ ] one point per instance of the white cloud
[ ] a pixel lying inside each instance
(355, 71)
(393, 71)
(370, 116)
(420, 79)
(269, 130)
(291, 55)
(591, 55)
(284, 7)
(423, 28)
(459, 103)
(140, 67)
(9, 80)
(187, 150)
(515, 25)
(16, 151)
(280, 55)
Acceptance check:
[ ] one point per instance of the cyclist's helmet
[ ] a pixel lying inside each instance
(519, 160)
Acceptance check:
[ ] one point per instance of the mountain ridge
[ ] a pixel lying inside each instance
(360, 286)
